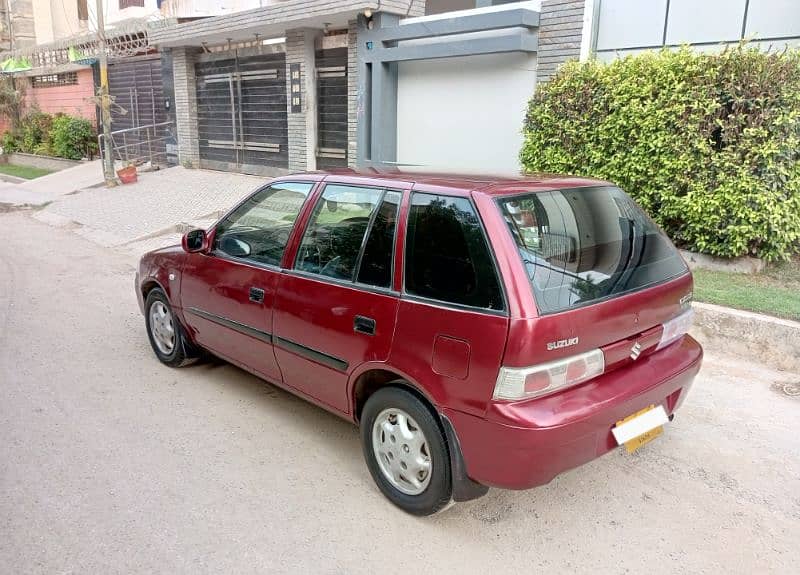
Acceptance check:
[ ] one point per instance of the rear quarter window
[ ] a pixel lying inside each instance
(447, 258)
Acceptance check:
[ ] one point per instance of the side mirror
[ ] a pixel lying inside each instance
(194, 241)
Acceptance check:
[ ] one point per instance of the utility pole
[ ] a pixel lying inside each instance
(105, 105)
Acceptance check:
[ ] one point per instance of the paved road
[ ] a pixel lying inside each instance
(111, 463)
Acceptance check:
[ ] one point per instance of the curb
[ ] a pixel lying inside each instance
(740, 265)
(768, 340)
(12, 179)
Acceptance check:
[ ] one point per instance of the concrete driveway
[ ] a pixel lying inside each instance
(112, 463)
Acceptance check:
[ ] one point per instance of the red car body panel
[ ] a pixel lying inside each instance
(302, 337)
(218, 286)
(156, 268)
(318, 315)
(426, 343)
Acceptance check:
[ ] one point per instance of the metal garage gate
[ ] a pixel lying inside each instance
(241, 113)
(332, 104)
(137, 92)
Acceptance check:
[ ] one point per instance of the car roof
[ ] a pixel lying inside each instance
(461, 183)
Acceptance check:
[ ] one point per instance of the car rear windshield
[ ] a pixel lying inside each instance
(582, 245)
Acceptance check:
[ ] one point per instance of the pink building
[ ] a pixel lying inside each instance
(67, 92)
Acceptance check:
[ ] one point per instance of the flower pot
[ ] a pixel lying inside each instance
(127, 175)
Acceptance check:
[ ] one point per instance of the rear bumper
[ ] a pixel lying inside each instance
(525, 444)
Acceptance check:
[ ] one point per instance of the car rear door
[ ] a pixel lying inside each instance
(336, 308)
(227, 293)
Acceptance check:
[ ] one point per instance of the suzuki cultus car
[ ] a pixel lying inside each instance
(480, 331)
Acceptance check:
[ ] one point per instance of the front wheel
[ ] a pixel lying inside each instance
(406, 451)
(165, 332)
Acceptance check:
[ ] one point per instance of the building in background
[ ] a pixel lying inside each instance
(453, 96)
(16, 24)
(52, 25)
(271, 86)
(622, 27)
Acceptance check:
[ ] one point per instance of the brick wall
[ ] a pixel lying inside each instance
(186, 107)
(352, 94)
(72, 99)
(298, 143)
(560, 26)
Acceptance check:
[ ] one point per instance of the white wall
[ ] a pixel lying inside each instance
(56, 19)
(464, 113)
(42, 21)
(197, 8)
(114, 14)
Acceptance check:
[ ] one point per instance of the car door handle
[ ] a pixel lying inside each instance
(362, 324)
(256, 295)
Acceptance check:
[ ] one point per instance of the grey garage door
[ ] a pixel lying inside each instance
(136, 89)
(241, 113)
(332, 105)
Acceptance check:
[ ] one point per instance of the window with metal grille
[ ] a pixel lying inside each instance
(52, 80)
(130, 3)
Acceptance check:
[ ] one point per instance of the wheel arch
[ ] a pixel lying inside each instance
(371, 377)
(149, 284)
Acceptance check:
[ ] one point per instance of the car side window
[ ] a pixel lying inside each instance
(259, 229)
(447, 258)
(336, 231)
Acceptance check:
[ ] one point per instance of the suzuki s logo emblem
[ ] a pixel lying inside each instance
(636, 350)
(562, 343)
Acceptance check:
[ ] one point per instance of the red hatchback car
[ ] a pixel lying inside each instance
(481, 331)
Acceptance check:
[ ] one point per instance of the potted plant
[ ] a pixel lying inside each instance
(127, 174)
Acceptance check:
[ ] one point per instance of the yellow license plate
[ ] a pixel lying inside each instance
(636, 442)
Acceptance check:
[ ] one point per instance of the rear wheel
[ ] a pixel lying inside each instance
(166, 335)
(406, 452)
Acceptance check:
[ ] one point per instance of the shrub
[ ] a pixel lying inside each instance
(43, 149)
(71, 137)
(60, 135)
(34, 130)
(9, 142)
(709, 145)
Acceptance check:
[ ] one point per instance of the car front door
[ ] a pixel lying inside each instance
(228, 291)
(336, 308)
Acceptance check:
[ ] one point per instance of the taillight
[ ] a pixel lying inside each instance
(676, 328)
(514, 383)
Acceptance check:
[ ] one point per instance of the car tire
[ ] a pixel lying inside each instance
(161, 323)
(400, 436)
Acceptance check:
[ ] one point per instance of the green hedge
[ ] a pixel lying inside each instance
(709, 145)
(60, 135)
(71, 137)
